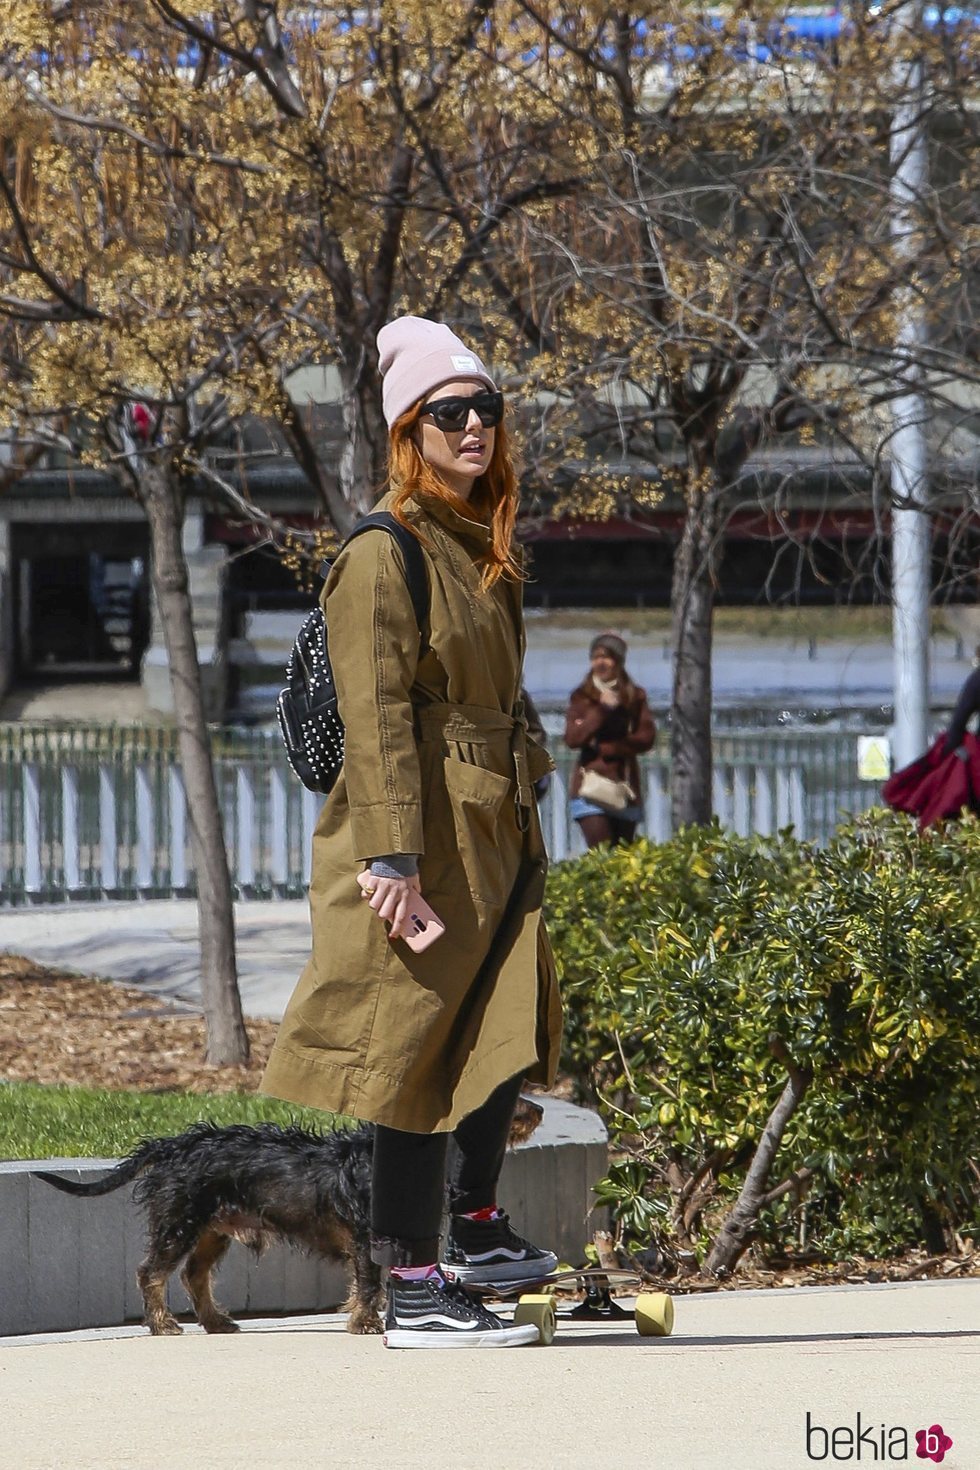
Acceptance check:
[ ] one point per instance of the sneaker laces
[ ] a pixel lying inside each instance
(457, 1292)
(511, 1236)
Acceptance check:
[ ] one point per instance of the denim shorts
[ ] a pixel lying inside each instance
(579, 807)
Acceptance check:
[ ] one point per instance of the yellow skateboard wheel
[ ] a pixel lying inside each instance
(541, 1311)
(654, 1314)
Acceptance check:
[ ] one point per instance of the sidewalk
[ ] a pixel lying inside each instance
(801, 667)
(154, 946)
(729, 1391)
(829, 673)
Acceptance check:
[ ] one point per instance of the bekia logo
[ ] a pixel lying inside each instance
(933, 1443)
(873, 1443)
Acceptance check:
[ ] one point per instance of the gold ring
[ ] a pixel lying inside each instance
(369, 891)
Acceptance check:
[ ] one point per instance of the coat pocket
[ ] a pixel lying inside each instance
(476, 798)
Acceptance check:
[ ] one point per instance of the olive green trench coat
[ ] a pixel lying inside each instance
(437, 762)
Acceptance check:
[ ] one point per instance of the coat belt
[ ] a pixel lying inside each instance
(478, 726)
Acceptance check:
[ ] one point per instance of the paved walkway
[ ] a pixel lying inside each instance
(731, 1390)
(796, 665)
(824, 673)
(154, 945)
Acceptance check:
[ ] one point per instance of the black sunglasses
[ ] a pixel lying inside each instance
(452, 414)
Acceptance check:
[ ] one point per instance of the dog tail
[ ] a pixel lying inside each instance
(124, 1171)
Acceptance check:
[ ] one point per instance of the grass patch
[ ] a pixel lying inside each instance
(79, 1122)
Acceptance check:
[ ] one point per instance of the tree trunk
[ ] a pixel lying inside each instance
(227, 1040)
(692, 606)
(737, 1230)
(363, 458)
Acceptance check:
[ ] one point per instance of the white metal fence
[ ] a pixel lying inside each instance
(102, 813)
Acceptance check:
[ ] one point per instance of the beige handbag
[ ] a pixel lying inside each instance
(615, 796)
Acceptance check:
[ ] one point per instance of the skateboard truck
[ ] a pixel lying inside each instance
(598, 1305)
(653, 1313)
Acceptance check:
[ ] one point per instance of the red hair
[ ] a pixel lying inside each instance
(494, 499)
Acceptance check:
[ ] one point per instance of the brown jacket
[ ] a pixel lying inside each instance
(435, 763)
(608, 740)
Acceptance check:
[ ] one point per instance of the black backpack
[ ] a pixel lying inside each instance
(309, 719)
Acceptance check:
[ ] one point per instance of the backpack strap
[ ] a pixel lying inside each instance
(418, 581)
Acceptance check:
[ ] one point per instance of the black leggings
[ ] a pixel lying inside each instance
(408, 1181)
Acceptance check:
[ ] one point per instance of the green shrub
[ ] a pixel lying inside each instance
(702, 974)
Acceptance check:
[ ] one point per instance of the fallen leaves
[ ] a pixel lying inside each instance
(62, 1028)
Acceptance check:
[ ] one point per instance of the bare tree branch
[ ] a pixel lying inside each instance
(111, 125)
(74, 309)
(266, 61)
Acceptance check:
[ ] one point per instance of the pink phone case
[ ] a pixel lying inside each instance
(430, 926)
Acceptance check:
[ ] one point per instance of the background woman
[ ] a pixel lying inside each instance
(435, 797)
(608, 721)
(967, 705)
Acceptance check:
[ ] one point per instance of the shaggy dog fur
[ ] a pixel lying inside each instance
(209, 1186)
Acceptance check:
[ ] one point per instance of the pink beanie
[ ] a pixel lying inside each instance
(418, 355)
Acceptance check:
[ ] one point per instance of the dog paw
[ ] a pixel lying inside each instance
(220, 1324)
(166, 1327)
(365, 1326)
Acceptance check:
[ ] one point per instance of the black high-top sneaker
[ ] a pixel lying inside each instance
(490, 1250)
(436, 1313)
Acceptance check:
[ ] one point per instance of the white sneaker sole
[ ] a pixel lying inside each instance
(507, 1271)
(500, 1337)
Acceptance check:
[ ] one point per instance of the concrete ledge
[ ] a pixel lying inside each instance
(71, 1263)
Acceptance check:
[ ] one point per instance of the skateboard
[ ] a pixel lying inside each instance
(653, 1314)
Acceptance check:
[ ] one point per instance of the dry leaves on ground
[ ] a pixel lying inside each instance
(62, 1028)
(914, 1265)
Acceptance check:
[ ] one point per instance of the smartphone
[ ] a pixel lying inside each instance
(428, 925)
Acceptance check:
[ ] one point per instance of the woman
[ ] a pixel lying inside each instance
(967, 705)
(609, 723)
(435, 797)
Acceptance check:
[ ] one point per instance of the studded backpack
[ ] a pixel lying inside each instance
(309, 719)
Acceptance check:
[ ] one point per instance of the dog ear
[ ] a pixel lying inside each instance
(527, 1116)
